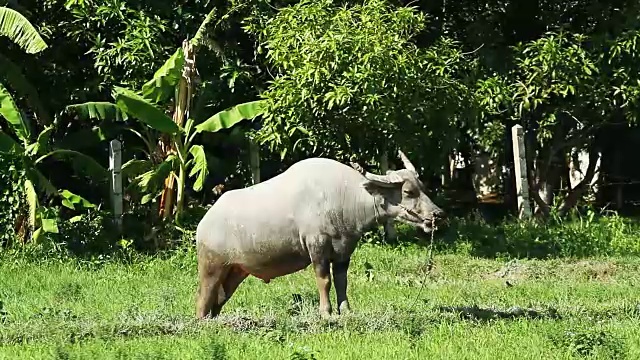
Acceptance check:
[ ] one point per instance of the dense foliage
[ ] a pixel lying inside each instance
(208, 95)
(12, 199)
(345, 79)
(351, 80)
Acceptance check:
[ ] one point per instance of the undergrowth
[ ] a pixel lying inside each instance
(582, 234)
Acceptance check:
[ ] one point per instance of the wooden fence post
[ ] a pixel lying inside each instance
(115, 166)
(520, 165)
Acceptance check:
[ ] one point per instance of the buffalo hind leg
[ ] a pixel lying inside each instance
(323, 281)
(234, 278)
(340, 280)
(211, 274)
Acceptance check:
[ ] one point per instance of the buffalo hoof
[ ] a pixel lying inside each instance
(325, 314)
(344, 308)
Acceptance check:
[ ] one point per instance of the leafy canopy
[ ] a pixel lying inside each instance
(351, 79)
(562, 83)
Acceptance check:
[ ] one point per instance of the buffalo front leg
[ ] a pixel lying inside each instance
(323, 281)
(211, 273)
(207, 304)
(340, 280)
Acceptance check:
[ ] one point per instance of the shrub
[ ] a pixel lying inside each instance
(91, 232)
(579, 235)
(12, 199)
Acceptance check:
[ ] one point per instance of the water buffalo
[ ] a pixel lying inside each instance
(312, 213)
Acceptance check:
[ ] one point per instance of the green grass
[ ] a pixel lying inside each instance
(462, 309)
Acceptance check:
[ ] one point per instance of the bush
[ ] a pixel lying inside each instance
(12, 200)
(580, 235)
(89, 233)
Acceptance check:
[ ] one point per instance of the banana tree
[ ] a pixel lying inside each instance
(180, 157)
(187, 159)
(32, 155)
(18, 29)
(178, 75)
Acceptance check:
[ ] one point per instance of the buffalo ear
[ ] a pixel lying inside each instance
(377, 183)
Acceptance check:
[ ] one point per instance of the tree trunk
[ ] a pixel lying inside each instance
(547, 173)
(549, 180)
(181, 112)
(390, 234)
(574, 194)
(541, 207)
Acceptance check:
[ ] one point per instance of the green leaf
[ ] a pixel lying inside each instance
(71, 200)
(86, 138)
(111, 119)
(82, 163)
(13, 76)
(68, 204)
(8, 145)
(9, 111)
(50, 226)
(152, 178)
(188, 126)
(164, 81)
(40, 182)
(138, 107)
(102, 111)
(36, 235)
(135, 167)
(72, 3)
(230, 117)
(148, 197)
(17, 28)
(199, 166)
(42, 143)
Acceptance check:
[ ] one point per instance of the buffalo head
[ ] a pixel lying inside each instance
(402, 195)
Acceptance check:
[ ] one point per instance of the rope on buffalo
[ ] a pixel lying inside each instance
(430, 264)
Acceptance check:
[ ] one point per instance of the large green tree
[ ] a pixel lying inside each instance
(564, 89)
(351, 80)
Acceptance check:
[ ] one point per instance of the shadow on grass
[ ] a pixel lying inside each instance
(485, 314)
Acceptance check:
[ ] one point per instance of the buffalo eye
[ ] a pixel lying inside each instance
(409, 192)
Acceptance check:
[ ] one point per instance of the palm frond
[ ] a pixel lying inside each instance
(12, 75)
(9, 111)
(17, 28)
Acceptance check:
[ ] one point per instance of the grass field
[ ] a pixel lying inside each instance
(463, 308)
